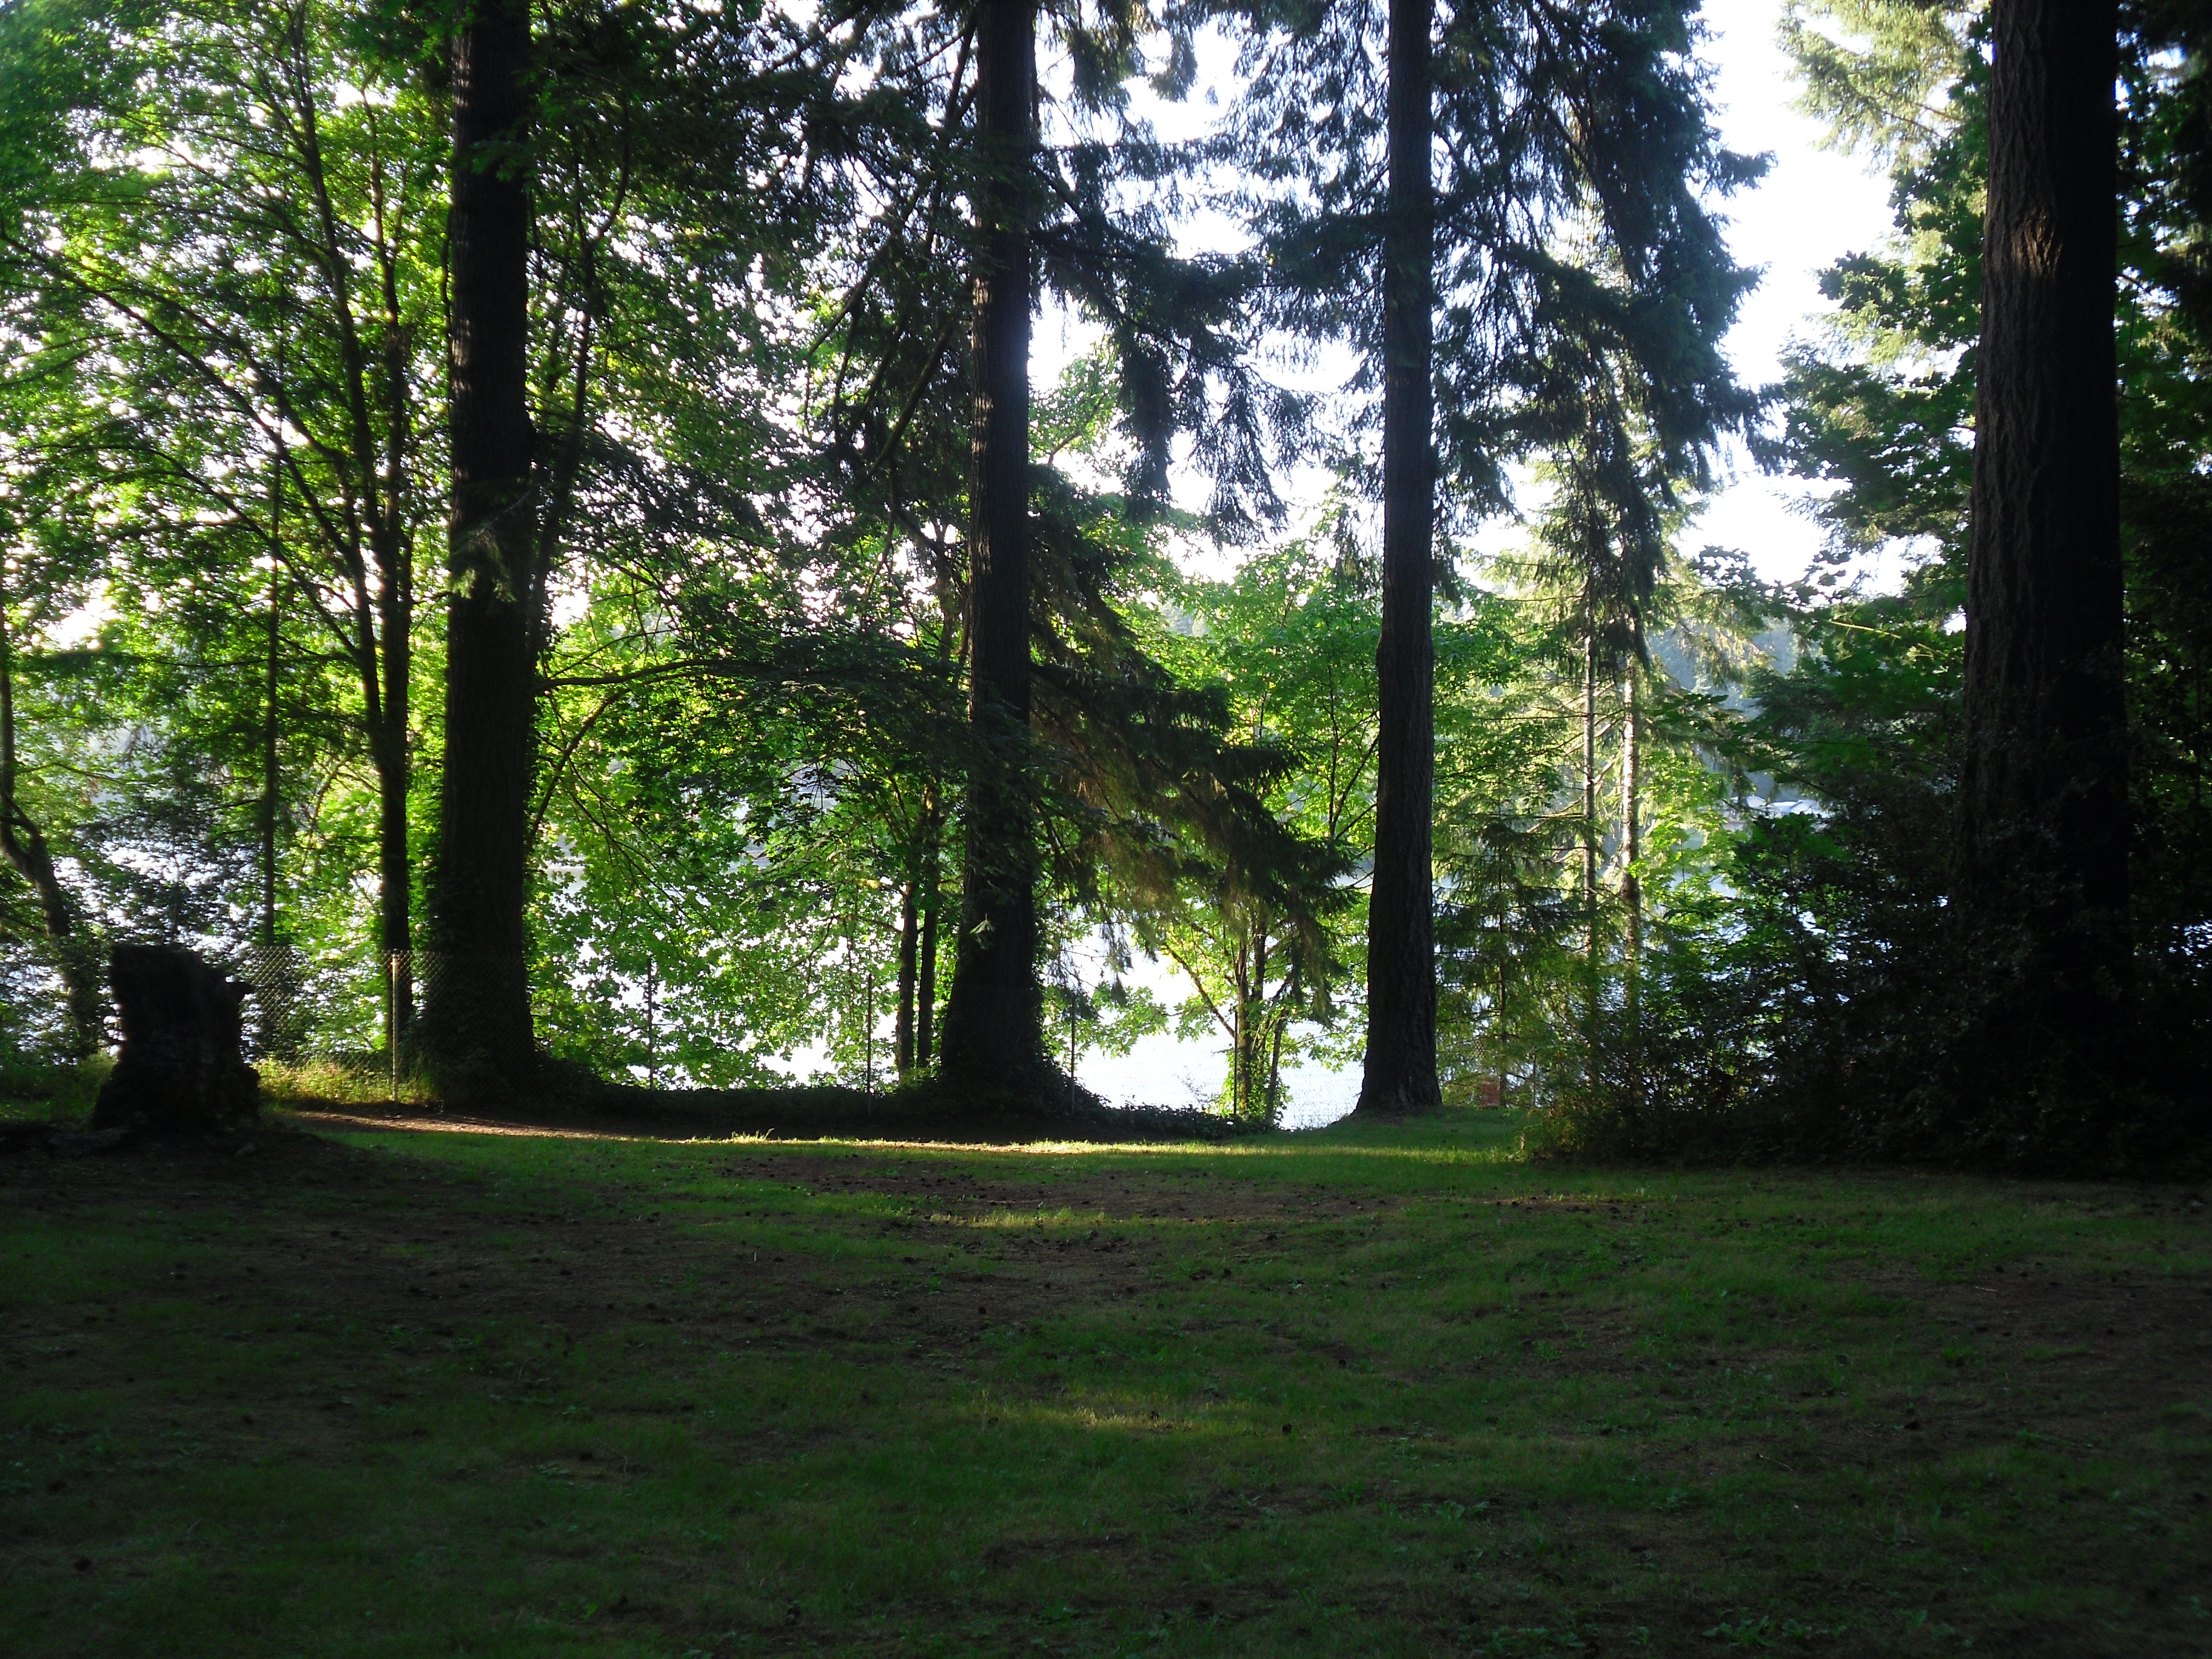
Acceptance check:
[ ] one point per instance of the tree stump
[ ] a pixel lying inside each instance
(180, 1068)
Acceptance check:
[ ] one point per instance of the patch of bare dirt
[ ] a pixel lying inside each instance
(402, 1242)
(2091, 1360)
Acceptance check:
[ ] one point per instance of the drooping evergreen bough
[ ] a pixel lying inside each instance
(1570, 241)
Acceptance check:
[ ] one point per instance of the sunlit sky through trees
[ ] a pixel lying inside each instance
(1814, 207)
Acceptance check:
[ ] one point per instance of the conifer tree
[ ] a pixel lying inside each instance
(1571, 165)
(1400, 1073)
(1175, 330)
(2040, 855)
(993, 1030)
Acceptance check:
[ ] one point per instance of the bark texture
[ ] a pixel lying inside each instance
(476, 1034)
(992, 1036)
(2040, 861)
(1400, 1075)
(179, 1066)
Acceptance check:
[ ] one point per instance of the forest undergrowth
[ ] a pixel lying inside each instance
(364, 1389)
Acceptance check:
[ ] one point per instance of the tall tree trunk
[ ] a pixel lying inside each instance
(376, 383)
(925, 973)
(909, 953)
(1632, 883)
(1243, 1052)
(23, 844)
(993, 1036)
(1631, 880)
(388, 752)
(271, 726)
(1279, 1022)
(1258, 1045)
(2040, 860)
(1589, 845)
(476, 1034)
(1400, 1073)
(276, 987)
(1503, 913)
(392, 745)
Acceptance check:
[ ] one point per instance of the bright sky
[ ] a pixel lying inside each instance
(1813, 208)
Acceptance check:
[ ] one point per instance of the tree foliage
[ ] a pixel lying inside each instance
(1689, 888)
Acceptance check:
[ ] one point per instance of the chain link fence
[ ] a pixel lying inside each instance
(317, 1021)
(455, 983)
(332, 1023)
(279, 1012)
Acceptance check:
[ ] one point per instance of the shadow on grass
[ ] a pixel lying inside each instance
(924, 1111)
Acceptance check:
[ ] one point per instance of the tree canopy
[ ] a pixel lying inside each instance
(526, 532)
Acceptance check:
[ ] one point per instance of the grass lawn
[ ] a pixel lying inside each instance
(365, 1390)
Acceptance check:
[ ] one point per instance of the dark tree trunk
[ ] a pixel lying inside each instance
(475, 1034)
(1632, 882)
(179, 1066)
(1589, 848)
(392, 745)
(388, 751)
(993, 1036)
(378, 386)
(2039, 862)
(925, 975)
(1401, 1074)
(909, 951)
(24, 846)
(276, 978)
(271, 717)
